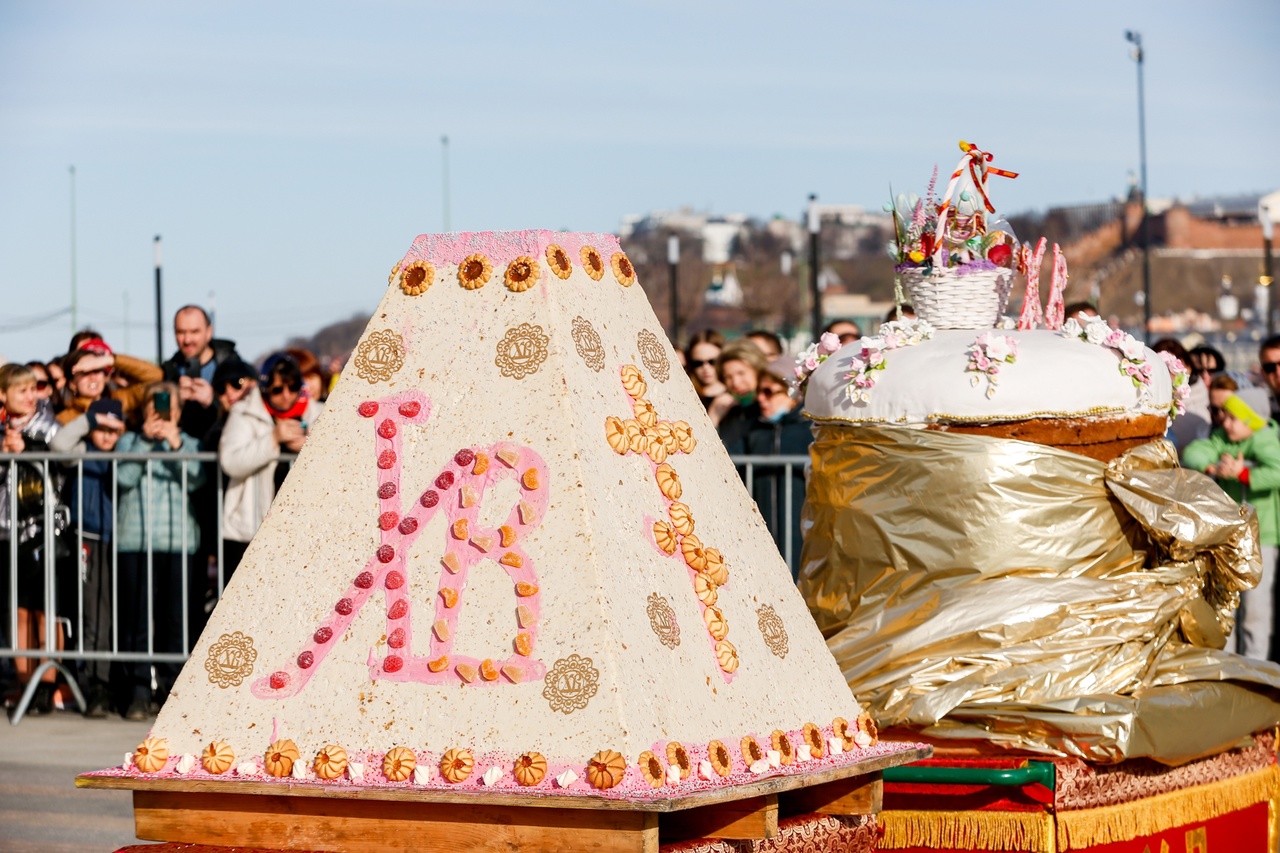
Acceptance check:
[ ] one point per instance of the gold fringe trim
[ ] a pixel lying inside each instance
(1027, 832)
(1111, 824)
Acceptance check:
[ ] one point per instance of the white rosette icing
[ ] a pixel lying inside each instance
(862, 739)
(705, 771)
(760, 766)
(491, 777)
(355, 771)
(566, 778)
(1057, 376)
(673, 774)
(421, 775)
(835, 745)
(128, 761)
(248, 768)
(774, 758)
(300, 770)
(185, 764)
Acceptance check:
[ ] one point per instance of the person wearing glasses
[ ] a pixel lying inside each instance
(776, 428)
(700, 363)
(1269, 359)
(273, 418)
(90, 368)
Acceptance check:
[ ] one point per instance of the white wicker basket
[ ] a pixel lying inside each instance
(950, 301)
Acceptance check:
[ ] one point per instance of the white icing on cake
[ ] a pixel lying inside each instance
(1052, 377)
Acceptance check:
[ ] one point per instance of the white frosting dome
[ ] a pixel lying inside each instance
(1053, 376)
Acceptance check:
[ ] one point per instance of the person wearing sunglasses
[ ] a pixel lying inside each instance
(700, 363)
(776, 428)
(272, 418)
(1269, 360)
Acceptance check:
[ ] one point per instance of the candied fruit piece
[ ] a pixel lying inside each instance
(279, 680)
(488, 670)
(527, 512)
(387, 429)
(410, 408)
(388, 520)
(460, 529)
(483, 543)
(441, 629)
(305, 660)
(396, 638)
(524, 590)
(368, 409)
(323, 634)
(439, 664)
(464, 457)
(408, 525)
(482, 464)
(445, 480)
(449, 596)
(524, 616)
(386, 554)
(398, 609)
(450, 561)
(364, 580)
(343, 606)
(468, 496)
(524, 644)
(466, 671)
(386, 459)
(429, 498)
(530, 479)
(513, 673)
(387, 491)
(507, 536)
(511, 559)
(392, 663)
(394, 580)
(509, 457)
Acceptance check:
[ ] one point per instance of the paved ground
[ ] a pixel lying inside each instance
(41, 811)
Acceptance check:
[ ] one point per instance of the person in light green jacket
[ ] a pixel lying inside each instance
(1243, 455)
(154, 520)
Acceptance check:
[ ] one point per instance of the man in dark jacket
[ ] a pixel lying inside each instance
(774, 427)
(192, 366)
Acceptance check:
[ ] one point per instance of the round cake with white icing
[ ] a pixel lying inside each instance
(1086, 388)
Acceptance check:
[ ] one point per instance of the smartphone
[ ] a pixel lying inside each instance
(162, 405)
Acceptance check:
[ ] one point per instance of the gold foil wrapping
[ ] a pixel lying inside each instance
(979, 587)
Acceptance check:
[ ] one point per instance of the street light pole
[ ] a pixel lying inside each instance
(1264, 214)
(673, 262)
(1135, 38)
(74, 318)
(159, 310)
(815, 295)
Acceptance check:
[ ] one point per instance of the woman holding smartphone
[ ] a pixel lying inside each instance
(154, 519)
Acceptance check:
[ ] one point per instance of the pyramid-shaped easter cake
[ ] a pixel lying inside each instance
(512, 555)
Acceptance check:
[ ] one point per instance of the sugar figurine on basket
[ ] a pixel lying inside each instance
(955, 264)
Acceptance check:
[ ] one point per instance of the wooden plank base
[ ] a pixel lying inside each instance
(372, 826)
(754, 818)
(857, 795)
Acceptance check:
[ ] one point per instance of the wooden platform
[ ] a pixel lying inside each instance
(281, 817)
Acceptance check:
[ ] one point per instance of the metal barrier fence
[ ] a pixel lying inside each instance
(56, 556)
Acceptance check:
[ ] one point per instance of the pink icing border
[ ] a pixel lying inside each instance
(502, 247)
(633, 787)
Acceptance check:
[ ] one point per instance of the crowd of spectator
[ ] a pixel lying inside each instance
(182, 526)
(154, 585)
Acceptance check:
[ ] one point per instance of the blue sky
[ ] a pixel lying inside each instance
(289, 152)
